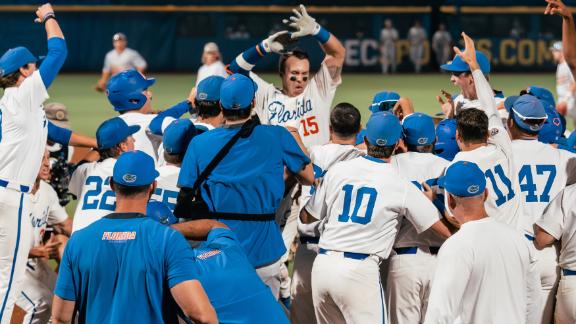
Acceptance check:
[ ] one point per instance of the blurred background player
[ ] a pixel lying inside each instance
(50, 228)
(211, 63)
(565, 85)
(90, 182)
(87, 285)
(119, 59)
(441, 44)
(471, 268)
(24, 131)
(388, 38)
(417, 37)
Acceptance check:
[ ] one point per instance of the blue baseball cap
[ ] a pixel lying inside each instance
(237, 92)
(383, 129)
(360, 136)
(209, 88)
(418, 129)
(15, 58)
(568, 144)
(124, 90)
(552, 129)
(463, 179)
(134, 168)
(458, 65)
(384, 101)
(158, 211)
(542, 93)
(178, 135)
(446, 145)
(113, 131)
(524, 108)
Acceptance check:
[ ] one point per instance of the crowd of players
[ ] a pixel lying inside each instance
(465, 217)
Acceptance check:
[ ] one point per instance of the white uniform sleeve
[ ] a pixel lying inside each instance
(56, 214)
(569, 160)
(138, 61)
(166, 122)
(33, 91)
(107, 62)
(317, 206)
(552, 220)
(418, 209)
(78, 178)
(323, 81)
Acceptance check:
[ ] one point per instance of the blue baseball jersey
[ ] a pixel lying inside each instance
(120, 268)
(249, 180)
(231, 283)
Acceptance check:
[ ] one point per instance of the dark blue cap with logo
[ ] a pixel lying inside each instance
(158, 211)
(383, 129)
(209, 88)
(418, 129)
(526, 108)
(458, 65)
(384, 101)
(125, 90)
(15, 58)
(113, 132)
(237, 92)
(553, 127)
(463, 179)
(134, 168)
(178, 135)
(446, 145)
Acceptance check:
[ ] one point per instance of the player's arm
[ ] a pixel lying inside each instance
(247, 60)
(193, 301)
(65, 136)
(549, 227)
(101, 84)
(422, 213)
(164, 118)
(139, 62)
(64, 227)
(295, 156)
(57, 50)
(317, 208)
(62, 310)
(197, 230)
(556, 7)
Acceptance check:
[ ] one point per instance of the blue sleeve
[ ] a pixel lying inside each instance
(189, 169)
(59, 134)
(175, 111)
(179, 259)
(54, 60)
(221, 238)
(294, 159)
(65, 288)
(246, 61)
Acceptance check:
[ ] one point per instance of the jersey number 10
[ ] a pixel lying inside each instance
(355, 217)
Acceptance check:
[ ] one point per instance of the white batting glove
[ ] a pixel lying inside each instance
(303, 23)
(276, 43)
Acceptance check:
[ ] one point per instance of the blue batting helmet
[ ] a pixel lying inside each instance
(125, 89)
(446, 146)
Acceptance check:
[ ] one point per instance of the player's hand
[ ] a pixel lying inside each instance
(447, 104)
(469, 54)
(47, 251)
(100, 86)
(403, 108)
(428, 192)
(556, 7)
(43, 12)
(303, 23)
(277, 43)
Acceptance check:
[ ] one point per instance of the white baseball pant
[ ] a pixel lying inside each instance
(270, 275)
(566, 300)
(549, 277)
(15, 237)
(346, 290)
(35, 297)
(302, 309)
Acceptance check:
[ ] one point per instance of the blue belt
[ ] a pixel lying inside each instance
(529, 237)
(567, 272)
(414, 249)
(349, 255)
(309, 240)
(5, 184)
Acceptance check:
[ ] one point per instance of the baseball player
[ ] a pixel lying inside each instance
(484, 140)
(557, 224)
(446, 145)
(564, 81)
(388, 39)
(122, 267)
(543, 171)
(417, 37)
(441, 41)
(211, 63)
(486, 272)
(360, 211)
(412, 262)
(35, 296)
(119, 59)
(555, 125)
(344, 125)
(23, 134)
(90, 182)
(176, 138)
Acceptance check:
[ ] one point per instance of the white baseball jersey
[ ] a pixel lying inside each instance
(495, 160)
(417, 168)
(323, 157)
(543, 171)
(144, 141)
(388, 37)
(115, 62)
(361, 203)
(311, 109)
(559, 220)
(167, 189)
(23, 131)
(46, 210)
(417, 36)
(91, 184)
(564, 82)
(486, 273)
(217, 68)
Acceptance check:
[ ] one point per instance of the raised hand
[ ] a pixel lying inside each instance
(469, 54)
(303, 23)
(556, 7)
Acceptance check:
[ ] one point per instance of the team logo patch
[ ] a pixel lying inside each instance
(422, 140)
(534, 127)
(129, 178)
(118, 236)
(556, 121)
(202, 95)
(473, 189)
(494, 131)
(381, 142)
(208, 254)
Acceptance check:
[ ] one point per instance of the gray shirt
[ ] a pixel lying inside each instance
(115, 62)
